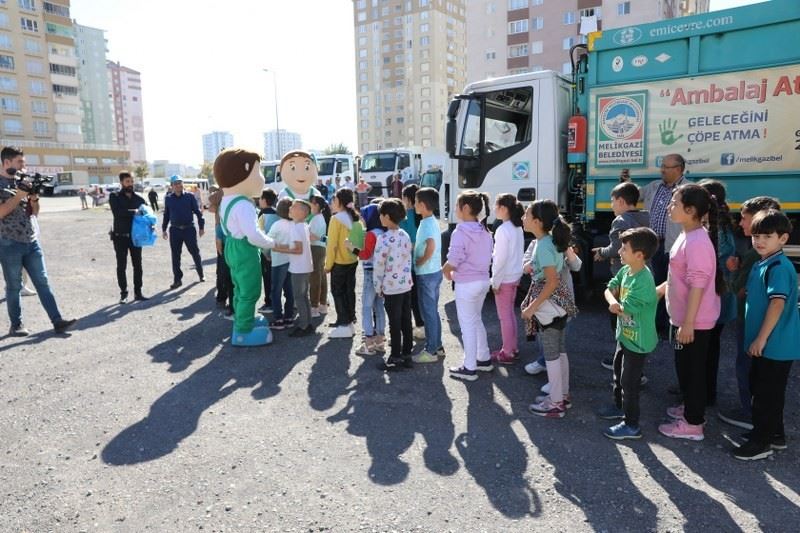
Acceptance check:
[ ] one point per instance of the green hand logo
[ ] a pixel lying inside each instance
(667, 131)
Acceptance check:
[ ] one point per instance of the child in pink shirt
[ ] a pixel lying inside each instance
(692, 290)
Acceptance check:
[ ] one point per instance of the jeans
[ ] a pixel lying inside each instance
(300, 292)
(343, 288)
(768, 379)
(504, 300)
(177, 238)
(470, 296)
(743, 364)
(14, 256)
(371, 304)
(428, 293)
(282, 282)
(691, 362)
(122, 246)
(398, 307)
(628, 367)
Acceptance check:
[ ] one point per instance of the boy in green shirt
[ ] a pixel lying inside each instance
(631, 295)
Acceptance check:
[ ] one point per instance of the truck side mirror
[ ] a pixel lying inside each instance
(450, 132)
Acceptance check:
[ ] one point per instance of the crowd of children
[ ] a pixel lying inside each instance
(398, 243)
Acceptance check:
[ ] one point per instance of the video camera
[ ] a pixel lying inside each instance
(30, 183)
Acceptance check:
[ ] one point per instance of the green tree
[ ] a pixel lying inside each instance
(337, 148)
(207, 172)
(140, 171)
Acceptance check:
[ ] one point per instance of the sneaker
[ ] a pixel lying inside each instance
(176, 284)
(227, 315)
(419, 333)
(681, 429)
(463, 373)
(503, 358)
(778, 442)
(535, 368)
(315, 312)
(265, 309)
(751, 451)
(484, 366)
(737, 417)
(60, 326)
(439, 352)
(607, 363)
(675, 413)
(323, 309)
(301, 332)
(342, 332)
(567, 400)
(545, 388)
(548, 409)
(278, 324)
(201, 278)
(611, 412)
(365, 349)
(140, 297)
(623, 431)
(27, 291)
(18, 331)
(425, 357)
(395, 363)
(123, 298)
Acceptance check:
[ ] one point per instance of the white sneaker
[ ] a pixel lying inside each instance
(546, 388)
(315, 312)
(342, 332)
(323, 309)
(534, 368)
(419, 333)
(27, 291)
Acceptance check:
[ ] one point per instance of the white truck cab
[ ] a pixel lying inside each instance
(336, 165)
(379, 166)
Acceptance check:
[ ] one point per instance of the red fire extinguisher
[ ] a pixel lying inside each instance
(576, 139)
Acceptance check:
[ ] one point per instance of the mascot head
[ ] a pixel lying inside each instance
(238, 171)
(298, 171)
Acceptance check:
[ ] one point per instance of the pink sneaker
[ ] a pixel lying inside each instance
(676, 413)
(503, 358)
(681, 429)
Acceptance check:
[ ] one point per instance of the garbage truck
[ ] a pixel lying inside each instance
(722, 89)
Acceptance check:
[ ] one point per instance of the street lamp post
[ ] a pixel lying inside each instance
(277, 124)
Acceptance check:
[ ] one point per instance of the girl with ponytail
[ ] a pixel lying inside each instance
(509, 245)
(342, 263)
(692, 291)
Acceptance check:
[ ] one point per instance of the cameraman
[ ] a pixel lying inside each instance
(19, 246)
(125, 204)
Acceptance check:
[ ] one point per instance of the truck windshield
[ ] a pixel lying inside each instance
(326, 166)
(269, 172)
(378, 163)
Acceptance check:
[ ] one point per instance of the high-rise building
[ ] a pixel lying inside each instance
(98, 117)
(278, 142)
(214, 143)
(410, 60)
(515, 36)
(40, 108)
(126, 95)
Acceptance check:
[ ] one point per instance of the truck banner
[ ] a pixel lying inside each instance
(733, 122)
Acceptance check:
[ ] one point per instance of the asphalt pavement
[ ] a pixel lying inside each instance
(143, 418)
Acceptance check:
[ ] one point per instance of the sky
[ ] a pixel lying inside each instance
(202, 68)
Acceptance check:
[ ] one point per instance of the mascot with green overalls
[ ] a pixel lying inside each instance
(238, 172)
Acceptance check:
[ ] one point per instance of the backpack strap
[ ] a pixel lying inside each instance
(224, 223)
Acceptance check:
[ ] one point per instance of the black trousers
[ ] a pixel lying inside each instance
(691, 362)
(768, 379)
(224, 282)
(343, 289)
(628, 368)
(398, 310)
(154, 205)
(122, 247)
(659, 265)
(177, 238)
(266, 278)
(418, 320)
(712, 364)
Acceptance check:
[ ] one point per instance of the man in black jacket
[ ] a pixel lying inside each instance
(124, 205)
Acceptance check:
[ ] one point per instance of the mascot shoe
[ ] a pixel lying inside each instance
(260, 336)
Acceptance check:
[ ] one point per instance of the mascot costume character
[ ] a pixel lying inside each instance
(299, 174)
(238, 172)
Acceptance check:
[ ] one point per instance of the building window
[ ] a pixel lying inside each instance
(361, 4)
(537, 23)
(592, 11)
(490, 8)
(518, 71)
(537, 2)
(517, 26)
(537, 47)
(62, 69)
(5, 40)
(33, 46)
(423, 28)
(362, 16)
(624, 8)
(38, 107)
(424, 3)
(426, 117)
(12, 126)
(7, 84)
(362, 52)
(362, 41)
(9, 105)
(425, 91)
(67, 109)
(519, 50)
(64, 90)
(569, 17)
(424, 41)
(55, 9)
(568, 43)
(30, 5)
(6, 62)
(490, 54)
(41, 127)
(28, 24)
(3, 20)
(70, 129)
(517, 4)
(423, 15)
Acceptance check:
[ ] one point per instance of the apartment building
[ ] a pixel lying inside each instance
(125, 89)
(410, 61)
(214, 143)
(278, 142)
(40, 107)
(514, 36)
(97, 113)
